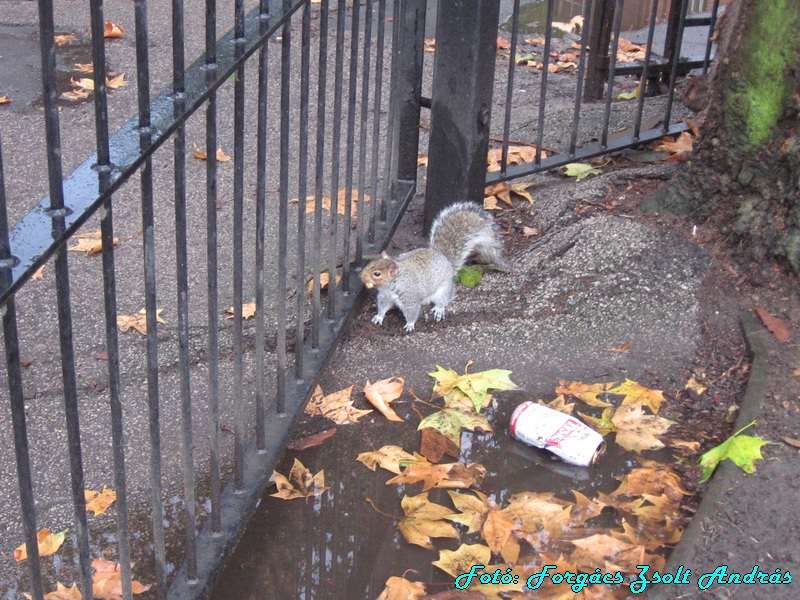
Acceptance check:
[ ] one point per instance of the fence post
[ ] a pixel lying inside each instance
(407, 87)
(463, 81)
(598, 58)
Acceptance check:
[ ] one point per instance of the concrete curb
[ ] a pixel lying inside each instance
(692, 541)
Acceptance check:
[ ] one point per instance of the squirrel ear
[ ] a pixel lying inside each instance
(392, 268)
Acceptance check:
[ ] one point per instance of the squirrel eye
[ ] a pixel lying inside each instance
(376, 273)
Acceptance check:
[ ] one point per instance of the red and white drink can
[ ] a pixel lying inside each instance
(563, 435)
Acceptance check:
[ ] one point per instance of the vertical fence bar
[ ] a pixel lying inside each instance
(261, 200)
(376, 118)
(319, 166)
(361, 215)
(283, 214)
(149, 260)
(103, 168)
(238, 246)
(341, 11)
(576, 114)
(305, 67)
(710, 41)
(675, 60)
(17, 400)
(349, 154)
(548, 36)
(512, 67)
(392, 137)
(215, 485)
(612, 65)
(182, 280)
(645, 71)
(599, 37)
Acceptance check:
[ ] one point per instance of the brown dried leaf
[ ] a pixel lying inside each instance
(248, 311)
(112, 30)
(777, 326)
(433, 445)
(64, 38)
(636, 430)
(311, 441)
(461, 560)
(62, 593)
(381, 393)
(451, 475)
(137, 321)
(90, 243)
(585, 392)
(39, 272)
(5, 100)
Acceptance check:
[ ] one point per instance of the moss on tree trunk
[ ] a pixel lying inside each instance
(745, 172)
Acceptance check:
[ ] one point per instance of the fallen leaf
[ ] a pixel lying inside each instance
(502, 43)
(676, 147)
(112, 30)
(580, 170)
(654, 480)
(400, 588)
(99, 502)
(381, 393)
(387, 457)
(636, 430)
(48, 543)
(744, 450)
(137, 321)
(116, 82)
(338, 406)
(777, 326)
(635, 392)
(560, 404)
(621, 349)
(587, 393)
(107, 581)
(299, 484)
(422, 160)
(311, 441)
(90, 243)
(324, 282)
(76, 94)
(84, 67)
(433, 445)
(474, 385)
(248, 311)
(5, 100)
(530, 231)
(62, 593)
(575, 25)
(64, 38)
(39, 272)
(695, 386)
(423, 521)
(791, 441)
(451, 475)
(449, 422)
(455, 562)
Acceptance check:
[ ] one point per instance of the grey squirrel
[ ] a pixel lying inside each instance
(425, 275)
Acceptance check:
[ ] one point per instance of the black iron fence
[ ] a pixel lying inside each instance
(297, 98)
(315, 110)
(557, 84)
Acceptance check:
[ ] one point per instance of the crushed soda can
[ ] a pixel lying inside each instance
(563, 435)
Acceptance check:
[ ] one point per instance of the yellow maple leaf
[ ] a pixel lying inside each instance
(338, 406)
(635, 392)
(299, 484)
(423, 521)
(387, 457)
(455, 562)
(586, 392)
(637, 430)
(90, 243)
(400, 588)
(99, 502)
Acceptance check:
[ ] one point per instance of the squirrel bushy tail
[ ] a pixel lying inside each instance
(464, 229)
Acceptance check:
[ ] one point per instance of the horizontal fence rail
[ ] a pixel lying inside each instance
(186, 419)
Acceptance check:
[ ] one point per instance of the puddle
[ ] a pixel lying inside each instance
(20, 68)
(338, 545)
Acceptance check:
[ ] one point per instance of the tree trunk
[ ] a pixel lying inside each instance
(745, 171)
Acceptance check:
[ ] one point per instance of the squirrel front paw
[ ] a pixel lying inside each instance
(378, 319)
(438, 313)
(408, 327)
